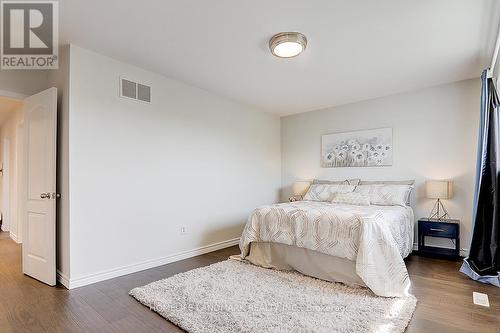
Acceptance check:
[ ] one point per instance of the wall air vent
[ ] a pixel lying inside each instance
(134, 90)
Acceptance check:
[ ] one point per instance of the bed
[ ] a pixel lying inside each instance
(353, 244)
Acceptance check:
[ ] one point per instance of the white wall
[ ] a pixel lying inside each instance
(22, 83)
(138, 172)
(434, 137)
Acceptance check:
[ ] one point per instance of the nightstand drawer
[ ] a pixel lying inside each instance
(439, 229)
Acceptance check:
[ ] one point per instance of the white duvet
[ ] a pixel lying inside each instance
(377, 238)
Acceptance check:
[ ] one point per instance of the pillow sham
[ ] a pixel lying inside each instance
(338, 182)
(324, 192)
(351, 198)
(386, 195)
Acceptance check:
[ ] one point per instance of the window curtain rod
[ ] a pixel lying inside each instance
(495, 56)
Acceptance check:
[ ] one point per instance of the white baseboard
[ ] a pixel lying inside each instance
(147, 264)
(14, 237)
(463, 252)
(63, 279)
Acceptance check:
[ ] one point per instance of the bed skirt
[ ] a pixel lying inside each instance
(308, 262)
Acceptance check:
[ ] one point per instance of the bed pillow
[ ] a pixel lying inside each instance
(386, 195)
(324, 192)
(338, 182)
(351, 198)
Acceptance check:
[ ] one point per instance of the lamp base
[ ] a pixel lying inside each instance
(438, 212)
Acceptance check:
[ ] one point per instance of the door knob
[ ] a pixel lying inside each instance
(45, 195)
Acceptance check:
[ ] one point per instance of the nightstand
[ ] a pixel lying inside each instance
(447, 228)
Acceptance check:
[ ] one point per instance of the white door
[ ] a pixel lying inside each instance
(39, 207)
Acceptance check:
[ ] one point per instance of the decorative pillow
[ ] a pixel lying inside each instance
(391, 182)
(324, 192)
(387, 182)
(351, 198)
(338, 182)
(386, 195)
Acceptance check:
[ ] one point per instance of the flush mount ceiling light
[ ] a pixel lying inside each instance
(287, 44)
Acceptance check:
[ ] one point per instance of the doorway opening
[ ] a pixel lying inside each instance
(28, 152)
(11, 143)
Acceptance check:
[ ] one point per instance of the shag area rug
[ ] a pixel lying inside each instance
(233, 296)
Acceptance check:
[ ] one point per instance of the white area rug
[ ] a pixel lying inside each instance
(233, 296)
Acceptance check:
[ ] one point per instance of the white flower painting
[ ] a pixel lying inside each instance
(357, 149)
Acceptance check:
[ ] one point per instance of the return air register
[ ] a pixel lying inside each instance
(134, 90)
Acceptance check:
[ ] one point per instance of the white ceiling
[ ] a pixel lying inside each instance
(357, 49)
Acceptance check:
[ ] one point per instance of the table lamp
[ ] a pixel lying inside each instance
(300, 188)
(438, 189)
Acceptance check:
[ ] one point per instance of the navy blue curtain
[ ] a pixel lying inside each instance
(483, 262)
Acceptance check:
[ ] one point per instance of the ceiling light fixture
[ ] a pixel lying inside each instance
(287, 44)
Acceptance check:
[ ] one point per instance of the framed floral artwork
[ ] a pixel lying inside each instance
(365, 148)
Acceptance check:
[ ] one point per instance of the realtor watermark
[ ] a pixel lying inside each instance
(29, 32)
(275, 307)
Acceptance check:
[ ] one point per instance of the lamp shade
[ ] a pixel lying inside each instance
(439, 189)
(300, 187)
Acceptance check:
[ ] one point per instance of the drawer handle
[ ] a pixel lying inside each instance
(435, 229)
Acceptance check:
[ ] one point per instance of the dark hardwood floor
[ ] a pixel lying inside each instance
(26, 305)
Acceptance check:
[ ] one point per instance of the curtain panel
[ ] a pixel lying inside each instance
(483, 262)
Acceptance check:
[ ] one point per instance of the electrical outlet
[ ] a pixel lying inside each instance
(480, 299)
(183, 230)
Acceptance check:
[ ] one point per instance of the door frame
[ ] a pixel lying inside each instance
(19, 177)
(6, 190)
